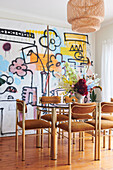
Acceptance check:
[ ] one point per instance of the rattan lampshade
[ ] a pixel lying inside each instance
(86, 25)
(82, 13)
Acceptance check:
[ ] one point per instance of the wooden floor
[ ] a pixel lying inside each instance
(37, 158)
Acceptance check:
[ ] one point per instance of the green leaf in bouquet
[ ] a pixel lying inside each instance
(93, 96)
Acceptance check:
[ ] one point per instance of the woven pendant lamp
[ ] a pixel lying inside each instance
(86, 25)
(85, 15)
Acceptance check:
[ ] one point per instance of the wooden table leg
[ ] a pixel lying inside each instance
(54, 135)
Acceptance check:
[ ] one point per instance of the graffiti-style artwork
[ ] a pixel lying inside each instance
(76, 48)
(26, 67)
(16, 33)
(54, 40)
(7, 79)
(29, 95)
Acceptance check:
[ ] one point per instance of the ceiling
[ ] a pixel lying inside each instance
(52, 12)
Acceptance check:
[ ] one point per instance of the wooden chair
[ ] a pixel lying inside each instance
(27, 125)
(106, 116)
(52, 100)
(107, 108)
(76, 117)
(72, 127)
(68, 99)
(48, 117)
(104, 107)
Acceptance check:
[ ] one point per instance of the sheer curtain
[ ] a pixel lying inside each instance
(107, 70)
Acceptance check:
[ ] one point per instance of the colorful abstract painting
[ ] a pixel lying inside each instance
(26, 66)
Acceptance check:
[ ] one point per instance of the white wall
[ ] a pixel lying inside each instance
(104, 33)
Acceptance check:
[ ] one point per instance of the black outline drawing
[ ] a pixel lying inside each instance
(30, 51)
(50, 40)
(50, 63)
(30, 95)
(20, 34)
(25, 70)
(10, 89)
(7, 79)
(17, 33)
(77, 49)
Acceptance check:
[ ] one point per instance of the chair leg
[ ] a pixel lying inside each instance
(83, 141)
(16, 139)
(38, 139)
(23, 144)
(73, 138)
(80, 141)
(69, 148)
(109, 143)
(49, 138)
(62, 133)
(42, 137)
(95, 155)
(98, 131)
(59, 132)
(38, 136)
(104, 138)
(59, 135)
(93, 137)
(99, 144)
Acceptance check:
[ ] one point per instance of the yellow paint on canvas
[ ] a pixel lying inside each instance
(35, 31)
(41, 32)
(44, 60)
(71, 39)
(73, 36)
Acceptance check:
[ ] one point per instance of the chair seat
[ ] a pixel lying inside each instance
(80, 117)
(60, 117)
(76, 126)
(107, 117)
(105, 124)
(34, 124)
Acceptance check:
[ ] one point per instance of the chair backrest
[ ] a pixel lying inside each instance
(107, 107)
(83, 108)
(50, 99)
(20, 106)
(68, 99)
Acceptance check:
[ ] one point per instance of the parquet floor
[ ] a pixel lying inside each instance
(39, 159)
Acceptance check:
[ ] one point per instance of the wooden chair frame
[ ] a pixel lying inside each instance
(52, 100)
(21, 106)
(104, 131)
(48, 111)
(81, 136)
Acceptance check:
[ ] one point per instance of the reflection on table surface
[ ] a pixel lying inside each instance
(60, 105)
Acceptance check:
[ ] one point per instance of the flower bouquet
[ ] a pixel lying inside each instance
(76, 84)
